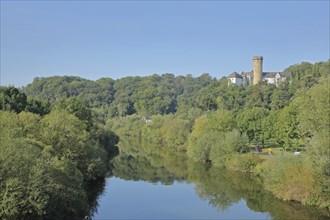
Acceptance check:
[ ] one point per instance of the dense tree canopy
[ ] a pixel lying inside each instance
(46, 162)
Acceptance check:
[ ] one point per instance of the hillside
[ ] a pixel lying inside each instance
(166, 93)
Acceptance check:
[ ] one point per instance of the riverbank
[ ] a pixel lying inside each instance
(159, 164)
(286, 175)
(213, 138)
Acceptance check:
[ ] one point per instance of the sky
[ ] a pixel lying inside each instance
(95, 39)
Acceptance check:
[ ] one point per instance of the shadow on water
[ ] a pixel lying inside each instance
(95, 190)
(220, 187)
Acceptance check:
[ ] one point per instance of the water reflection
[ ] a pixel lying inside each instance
(95, 190)
(219, 187)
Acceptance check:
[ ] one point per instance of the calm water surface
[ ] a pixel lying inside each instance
(141, 200)
(149, 184)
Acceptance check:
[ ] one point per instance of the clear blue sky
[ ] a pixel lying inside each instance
(95, 39)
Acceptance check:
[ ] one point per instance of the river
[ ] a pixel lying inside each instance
(161, 184)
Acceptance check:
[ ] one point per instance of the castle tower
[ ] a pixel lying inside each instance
(257, 69)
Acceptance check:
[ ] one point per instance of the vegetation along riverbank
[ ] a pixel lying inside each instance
(57, 133)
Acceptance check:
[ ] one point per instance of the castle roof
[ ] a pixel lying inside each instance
(244, 74)
(235, 75)
(286, 74)
(273, 74)
(269, 74)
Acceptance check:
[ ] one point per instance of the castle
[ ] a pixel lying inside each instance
(257, 76)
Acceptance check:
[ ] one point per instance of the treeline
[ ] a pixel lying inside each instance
(116, 98)
(169, 94)
(49, 156)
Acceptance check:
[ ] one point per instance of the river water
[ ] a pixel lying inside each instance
(142, 200)
(149, 184)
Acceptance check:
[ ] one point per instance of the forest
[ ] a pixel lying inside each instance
(69, 125)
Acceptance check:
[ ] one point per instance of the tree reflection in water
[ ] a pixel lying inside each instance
(220, 187)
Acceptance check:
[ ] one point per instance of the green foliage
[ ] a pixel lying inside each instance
(305, 75)
(280, 98)
(244, 163)
(11, 99)
(34, 183)
(290, 178)
(37, 107)
(212, 138)
(151, 131)
(156, 95)
(259, 96)
(200, 146)
(45, 163)
(76, 107)
(287, 132)
(314, 118)
(251, 121)
(228, 147)
(127, 126)
(96, 94)
(62, 184)
(151, 95)
(66, 133)
(314, 107)
(318, 153)
(175, 131)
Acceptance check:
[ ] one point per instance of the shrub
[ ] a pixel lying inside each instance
(244, 162)
(229, 144)
(289, 178)
(201, 147)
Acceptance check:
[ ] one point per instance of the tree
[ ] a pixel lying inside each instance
(251, 123)
(232, 142)
(11, 99)
(76, 107)
(280, 98)
(287, 132)
(208, 131)
(314, 118)
(37, 107)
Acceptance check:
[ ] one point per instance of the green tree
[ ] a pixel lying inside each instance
(11, 99)
(37, 107)
(232, 143)
(251, 123)
(287, 132)
(76, 107)
(65, 132)
(209, 130)
(314, 118)
(280, 98)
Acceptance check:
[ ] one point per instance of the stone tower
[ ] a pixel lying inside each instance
(257, 69)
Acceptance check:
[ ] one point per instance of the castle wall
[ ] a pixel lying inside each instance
(237, 81)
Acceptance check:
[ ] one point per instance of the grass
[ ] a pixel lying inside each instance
(276, 149)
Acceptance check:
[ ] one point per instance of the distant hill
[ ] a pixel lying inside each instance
(166, 93)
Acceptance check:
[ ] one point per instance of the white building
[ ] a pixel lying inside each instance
(246, 78)
(235, 78)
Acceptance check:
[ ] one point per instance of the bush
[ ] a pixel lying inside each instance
(200, 148)
(290, 178)
(229, 144)
(207, 140)
(244, 163)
